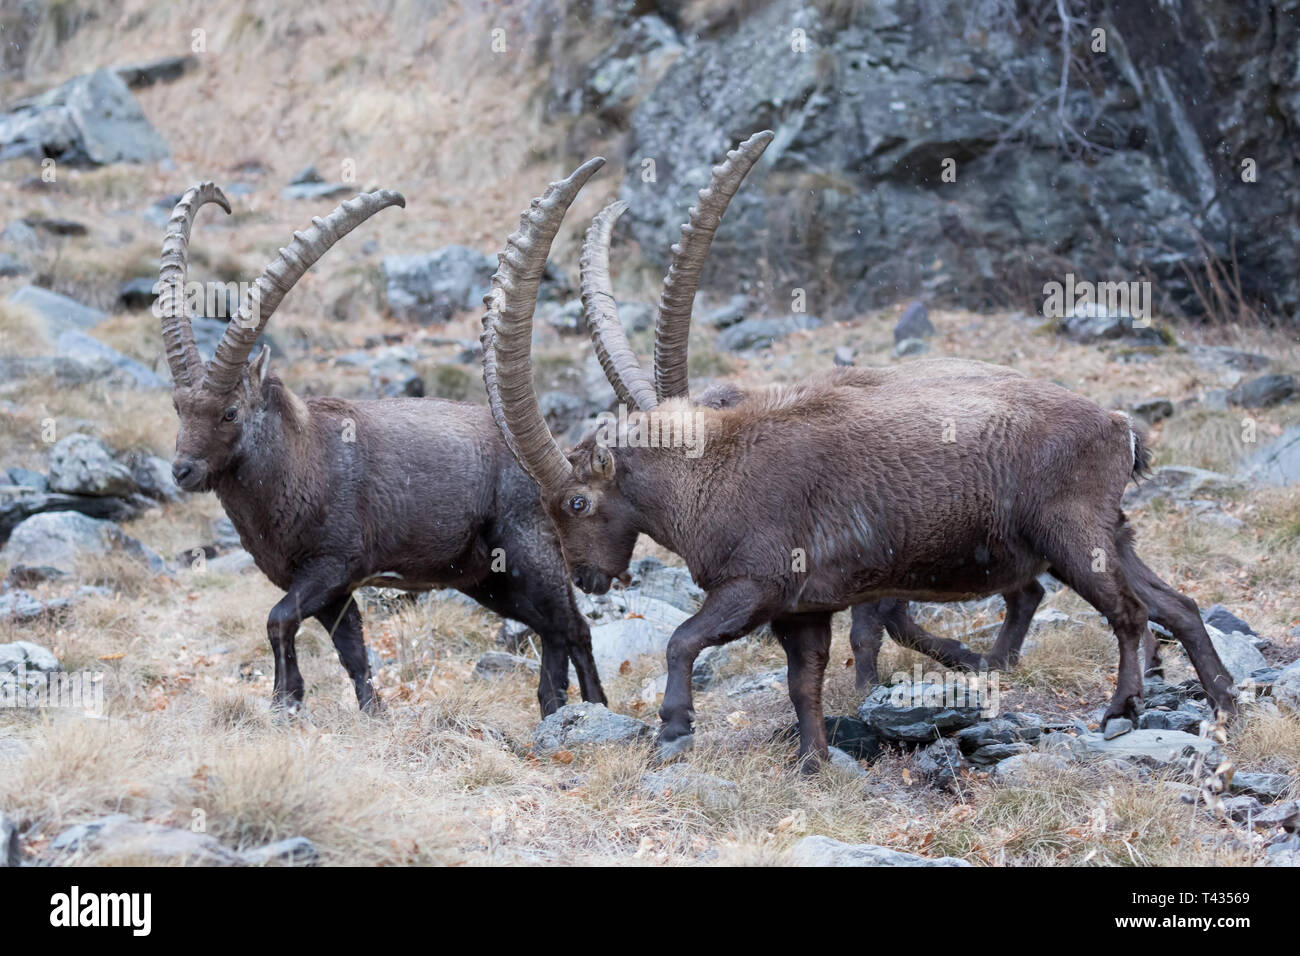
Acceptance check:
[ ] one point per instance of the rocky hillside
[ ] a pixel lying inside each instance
(1126, 165)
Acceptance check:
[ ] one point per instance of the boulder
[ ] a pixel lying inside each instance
(919, 713)
(1220, 617)
(60, 539)
(118, 836)
(1265, 391)
(432, 287)
(1150, 749)
(1278, 461)
(57, 313)
(83, 465)
(1238, 653)
(751, 334)
(495, 665)
(1286, 688)
(166, 69)
(823, 851)
(1028, 769)
(78, 346)
(90, 120)
(587, 724)
(914, 323)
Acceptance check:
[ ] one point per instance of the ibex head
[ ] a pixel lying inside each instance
(221, 404)
(584, 492)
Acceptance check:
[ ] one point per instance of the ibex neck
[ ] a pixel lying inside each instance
(658, 484)
(271, 492)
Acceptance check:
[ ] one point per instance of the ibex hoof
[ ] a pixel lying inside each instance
(667, 751)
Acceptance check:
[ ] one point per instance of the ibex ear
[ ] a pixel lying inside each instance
(602, 462)
(258, 367)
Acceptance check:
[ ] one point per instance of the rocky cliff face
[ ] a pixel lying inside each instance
(1135, 163)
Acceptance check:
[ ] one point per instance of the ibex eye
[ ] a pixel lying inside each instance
(577, 504)
(229, 414)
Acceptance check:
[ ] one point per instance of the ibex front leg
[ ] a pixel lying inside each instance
(313, 590)
(729, 612)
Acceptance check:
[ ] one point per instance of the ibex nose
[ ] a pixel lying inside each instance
(181, 470)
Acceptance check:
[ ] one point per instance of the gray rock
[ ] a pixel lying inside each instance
(433, 287)
(1278, 461)
(495, 665)
(735, 310)
(914, 323)
(17, 505)
(31, 656)
(587, 724)
(153, 476)
(715, 793)
(1266, 786)
(1180, 720)
(1220, 617)
(1096, 324)
(1242, 808)
(237, 561)
(1178, 483)
(119, 836)
(1152, 410)
(10, 848)
(1238, 653)
(1265, 391)
(1285, 815)
(80, 347)
(919, 713)
(11, 266)
(393, 376)
(318, 191)
(58, 313)
(940, 763)
(1286, 688)
(167, 69)
(750, 334)
(844, 356)
(295, 851)
(26, 478)
(90, 120)
(20, 607)
(844, 763)
(1012, 728)
(60, 539)
(1117, 727)
(1151, 749)
(83, 465)
(823, 851)
(911, 347)
(1028, 769)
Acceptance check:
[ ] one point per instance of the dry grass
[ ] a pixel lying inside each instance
(447, 775)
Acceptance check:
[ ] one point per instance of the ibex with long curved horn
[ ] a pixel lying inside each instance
(944, 484)
(635, 390)
(329, 495)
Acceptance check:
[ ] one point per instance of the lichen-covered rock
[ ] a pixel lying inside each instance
(587, 724)
(823, 851)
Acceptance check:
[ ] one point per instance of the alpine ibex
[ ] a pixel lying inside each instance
(329, 495)
(852, 486)
(634, 389)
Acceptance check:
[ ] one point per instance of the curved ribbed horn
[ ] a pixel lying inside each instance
(508, 331)
(173, 268)
(279, 277)
(673, 326)
(622, 368)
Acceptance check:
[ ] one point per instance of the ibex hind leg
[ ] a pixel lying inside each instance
(807, 643)
(1179, 613)
(1021, 606)
(866, 634)
(342, 619)
(1090, 563)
